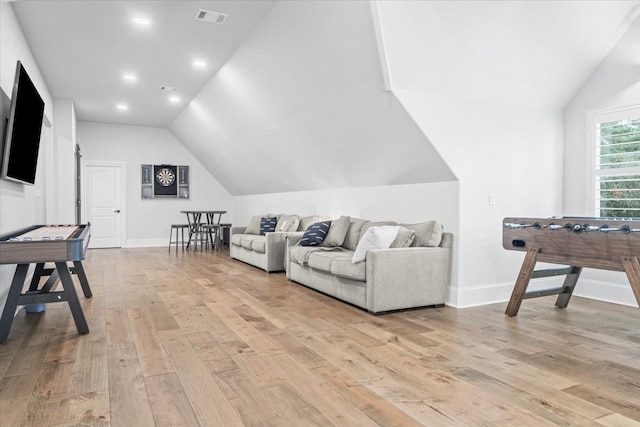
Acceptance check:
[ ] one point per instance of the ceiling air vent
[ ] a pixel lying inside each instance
(210, 16)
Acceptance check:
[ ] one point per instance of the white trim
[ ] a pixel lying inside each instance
(473, 296)
(616, 293)
(594, 117)
(123, 192)
(148, 243)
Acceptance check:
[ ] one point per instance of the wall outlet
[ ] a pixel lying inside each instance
(492, 199)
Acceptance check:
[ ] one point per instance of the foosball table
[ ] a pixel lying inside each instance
(41, 244)
(602, 243)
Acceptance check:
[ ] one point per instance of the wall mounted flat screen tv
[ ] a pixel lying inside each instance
(23, 130)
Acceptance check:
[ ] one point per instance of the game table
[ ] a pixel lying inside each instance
(577, 242)
(41, 244)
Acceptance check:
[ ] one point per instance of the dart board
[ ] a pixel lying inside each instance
(165, 183)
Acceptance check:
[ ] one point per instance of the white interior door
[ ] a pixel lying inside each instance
(104, 203)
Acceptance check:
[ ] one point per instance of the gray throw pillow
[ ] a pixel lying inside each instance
(288, 223)
(337, 232)
(404, 238)
(353, 233)
(306, 221)
(254, 225)
(428, 233)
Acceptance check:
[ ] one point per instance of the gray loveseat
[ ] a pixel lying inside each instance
(266, 251)
(414, 272)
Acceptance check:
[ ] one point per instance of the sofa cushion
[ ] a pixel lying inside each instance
(300, 254)
(254, 225)
(306, 221)
(347, 269)
(246, 240)
(258, 244)
(315, 234)
(353, 233)
(379, 237)
(404, 238)
(235, 239)
(337, 232)
(322, 260)
(427, 233)
(288, 223)
(268, 224)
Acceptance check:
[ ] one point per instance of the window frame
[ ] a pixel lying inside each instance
(594, 118)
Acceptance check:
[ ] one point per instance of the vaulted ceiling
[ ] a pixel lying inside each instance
(293, 95)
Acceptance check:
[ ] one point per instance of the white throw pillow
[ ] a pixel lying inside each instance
(375, 238)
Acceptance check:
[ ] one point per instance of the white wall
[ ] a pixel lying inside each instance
(20, 205)
(61, 208)
(512, 152)
(616, 82)
(148, 220)
(491, 145)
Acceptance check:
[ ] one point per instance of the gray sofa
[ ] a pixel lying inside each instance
(413, 272)
(266, 251)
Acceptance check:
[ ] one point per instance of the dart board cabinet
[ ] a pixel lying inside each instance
(165, 181)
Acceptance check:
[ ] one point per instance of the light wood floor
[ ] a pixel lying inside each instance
(197, 339)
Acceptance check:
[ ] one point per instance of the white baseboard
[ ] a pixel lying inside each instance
(617, 293)
(146, 243)
(472, 296)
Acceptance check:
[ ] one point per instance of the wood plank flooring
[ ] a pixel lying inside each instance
(197, 339)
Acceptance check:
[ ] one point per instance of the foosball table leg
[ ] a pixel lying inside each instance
(520, 289)
(632, 268)
(568, 286)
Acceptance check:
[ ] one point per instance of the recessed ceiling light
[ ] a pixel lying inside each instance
(129, 77)
(199, 63)
(174, 99)
(122, 107)
(142, 21)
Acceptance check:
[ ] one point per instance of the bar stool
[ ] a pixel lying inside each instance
(178, 228)
(212, 234)
(197, 235)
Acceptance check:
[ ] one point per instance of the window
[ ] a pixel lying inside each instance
(616, 166)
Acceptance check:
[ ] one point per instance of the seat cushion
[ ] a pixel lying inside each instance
(343, 267)
(322, 260)
(247, 240)
(259, 244)
(300, 254)
(235, 239)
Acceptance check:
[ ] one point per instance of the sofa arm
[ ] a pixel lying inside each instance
(274, 249)
(293, 238)
(407, 277)
(237, 230)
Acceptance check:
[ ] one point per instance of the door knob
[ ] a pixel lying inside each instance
(117, 211)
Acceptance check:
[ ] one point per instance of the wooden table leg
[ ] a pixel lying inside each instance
(72, 297)
(12, 300)
(632, 268)
(568, 285)
(524, 277)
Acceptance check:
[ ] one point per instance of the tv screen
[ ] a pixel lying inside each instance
(23, 130)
